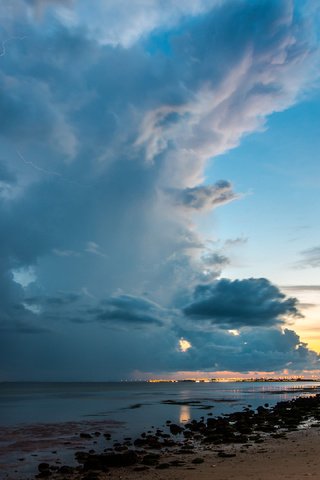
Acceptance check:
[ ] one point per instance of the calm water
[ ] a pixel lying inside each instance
(42, 421)
(63, 402)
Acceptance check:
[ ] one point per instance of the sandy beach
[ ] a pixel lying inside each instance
(279, 442)
(271, 441)
(296, 457)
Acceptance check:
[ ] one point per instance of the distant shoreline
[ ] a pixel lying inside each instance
(191, 380)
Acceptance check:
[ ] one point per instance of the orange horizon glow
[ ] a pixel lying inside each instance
(225, 374)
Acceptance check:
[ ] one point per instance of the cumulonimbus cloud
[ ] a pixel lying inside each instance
(123, 114)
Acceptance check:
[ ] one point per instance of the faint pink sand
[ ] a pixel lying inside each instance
(51, 442)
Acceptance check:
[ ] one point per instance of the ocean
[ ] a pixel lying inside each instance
(43, 421)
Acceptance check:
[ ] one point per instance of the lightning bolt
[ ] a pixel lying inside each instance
(4, 43)
(51, 172)
(36, 167)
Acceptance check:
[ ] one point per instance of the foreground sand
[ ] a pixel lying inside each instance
(295, 458)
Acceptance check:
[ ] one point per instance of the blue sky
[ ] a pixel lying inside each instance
(159, 187)
(278, 172)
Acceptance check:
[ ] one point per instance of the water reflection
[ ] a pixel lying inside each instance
(185, 414)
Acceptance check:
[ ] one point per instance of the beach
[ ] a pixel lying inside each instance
(294, 458)
(195, 430)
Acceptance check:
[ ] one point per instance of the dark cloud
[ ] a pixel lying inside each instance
(240, 303)
(58, 301)
(204, 197)
(264, 349)
(129, 310)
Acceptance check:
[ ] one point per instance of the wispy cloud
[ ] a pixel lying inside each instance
(95, 249)
(310, 258)
(204, 197)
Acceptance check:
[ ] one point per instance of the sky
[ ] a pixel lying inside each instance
(159, 189)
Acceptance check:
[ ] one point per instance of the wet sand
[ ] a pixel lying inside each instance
(294, 458)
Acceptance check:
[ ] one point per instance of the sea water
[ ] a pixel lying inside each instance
(137, 404)
(43, 421)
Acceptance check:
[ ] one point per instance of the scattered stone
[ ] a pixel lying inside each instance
(177, 463)
(43, 466)
(66, 470)
(175, 429)
(44, 474)
(197, 460)
(226, 455)
(90, 476)
(162, 466)
(151, 459)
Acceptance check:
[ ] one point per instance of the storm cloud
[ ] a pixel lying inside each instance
(239, 303)
(109, 115)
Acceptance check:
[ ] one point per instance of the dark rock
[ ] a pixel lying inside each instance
(85, 435)
(197, 460)
(66, 470)
(90, 476)
(162, 466)
(279, 435)
(81, 456)
(175, 429)
(185, 452)
(151, 459)
(177, 463)
(226, 455)
(139, 442)
(101, 462)
(43, 466)
(44, 474)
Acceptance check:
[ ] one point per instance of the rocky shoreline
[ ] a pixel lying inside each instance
(187, 446)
